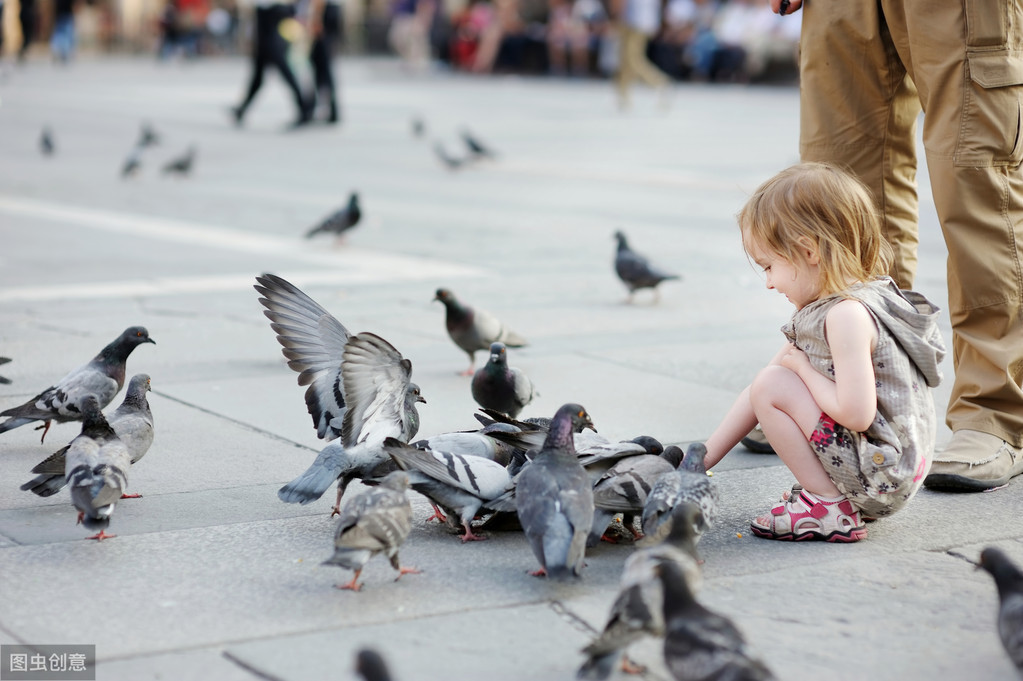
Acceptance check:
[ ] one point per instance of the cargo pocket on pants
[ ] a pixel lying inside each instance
(992, 123)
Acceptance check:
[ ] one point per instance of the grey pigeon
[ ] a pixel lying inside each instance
(554, 499)
(472, 443)
(1009, 580)
(501, 387)
(133, 163)
(133, 423)
(96, 468)
(377, 520)
(183, 164)
(148, 137)
(473, 329)
(688, 482)
(635, 270)
(700, 644)
(456, 483)
(46, 144)
(370, 665)
(449, 161)
(624, 488)
(3, 379)
(476, 148)
(360, 390)
(102, 378)
(638, 609)
(340, 221)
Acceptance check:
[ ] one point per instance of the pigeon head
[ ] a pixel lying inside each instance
(694, 458)
(498, 353)
(353, 199)
(445, 296)
(137, 389)
(622, 243)
(576, 415)
(371, 666)
(413, 394)
(673, 455)
(1000, 567)
(650, 444)
(135, 335)
(396, 480)
(686, 517)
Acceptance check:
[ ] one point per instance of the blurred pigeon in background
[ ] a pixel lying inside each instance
(3, 379)
(554, 498)
(1009, 580)
(476, 147)
(133, 424)
(182, 165)
(360, 389)
(635, 271)
(340, 221)
(133, 163)
(418, 126)
(96, 468)
(449, 161)
(459, 484)
(474, 329)
(638, 609)
(501, 387)
(148, 137)
(377, 520)
(688, 482)
(101, 378)
(698, 643)
(46, 143)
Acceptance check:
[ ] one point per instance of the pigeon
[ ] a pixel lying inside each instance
(360, 390)
(457, 483)
(96, 468)
(500, 387)
(102, 378)
(370, 665)
(376, 521)
(472, 443)
(340, 221)
(3, 379)
(147, 137)
(700, 644)
(624, 488)
(451, 162)
(46, 143)
(1009, 580)
(418, 127)
(181, 165)
(688, 482)
(638, 609)
(636, 271)
(473, 329)
(133, 423)
(554, 499)
(133, 163)
(476, 147)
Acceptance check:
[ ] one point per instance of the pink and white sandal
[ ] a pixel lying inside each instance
(804, 516)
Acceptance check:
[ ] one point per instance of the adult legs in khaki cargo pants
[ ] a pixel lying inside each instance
(866, 68)
(633, 65)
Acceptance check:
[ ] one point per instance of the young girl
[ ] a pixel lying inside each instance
(845, 403)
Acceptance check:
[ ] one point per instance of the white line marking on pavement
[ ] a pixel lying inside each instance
(352, 266)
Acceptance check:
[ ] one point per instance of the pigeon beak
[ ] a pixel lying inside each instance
(149, 340)
(420, 398)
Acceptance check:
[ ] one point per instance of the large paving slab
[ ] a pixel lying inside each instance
(212, 577)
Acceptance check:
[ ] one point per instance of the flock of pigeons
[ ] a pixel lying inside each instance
(180, 166)
(554, 477)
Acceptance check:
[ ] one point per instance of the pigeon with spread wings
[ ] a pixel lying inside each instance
(360, 390)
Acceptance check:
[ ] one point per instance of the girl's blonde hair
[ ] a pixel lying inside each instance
(821, 207)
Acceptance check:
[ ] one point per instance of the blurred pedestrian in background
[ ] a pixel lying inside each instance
(269, 48)
(325, 29)
(62, 39)
(409, 34)
(27, 18)
(638, 21)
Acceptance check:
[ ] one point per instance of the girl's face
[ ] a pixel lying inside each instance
(799, 282)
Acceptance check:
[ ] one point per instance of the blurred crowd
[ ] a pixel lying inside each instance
(702, 40)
